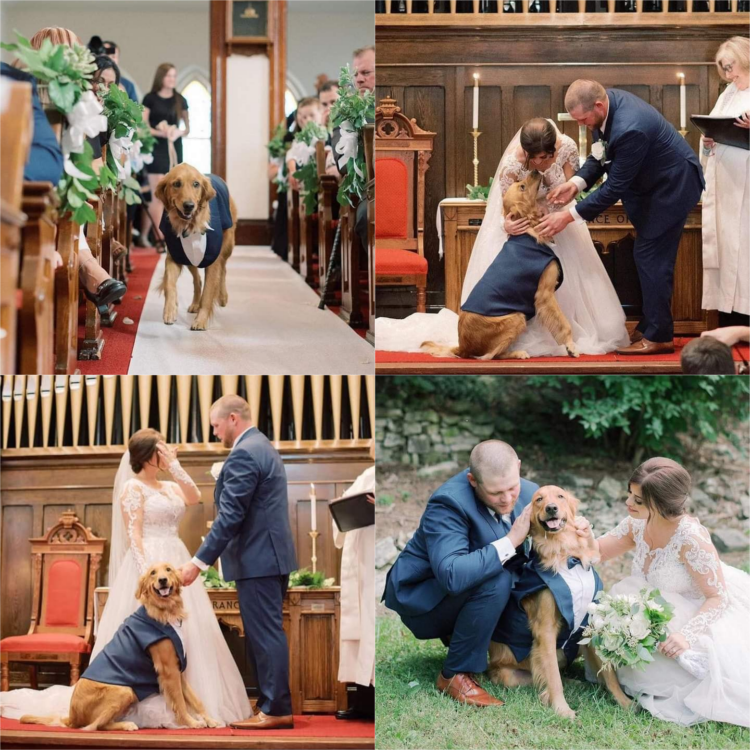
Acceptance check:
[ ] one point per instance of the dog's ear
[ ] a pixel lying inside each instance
(208, 189)
(143, 584)
(161, 191)
(572, 503)
(177, 579)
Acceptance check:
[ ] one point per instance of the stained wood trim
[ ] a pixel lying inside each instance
(218, 88)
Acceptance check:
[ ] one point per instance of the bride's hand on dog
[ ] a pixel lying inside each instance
(516, 226)
(562, 194)
(675, 645)
(520, 529)
(583, 527)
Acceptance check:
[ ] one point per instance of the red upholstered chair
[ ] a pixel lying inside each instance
(402, 155)
(65, 561)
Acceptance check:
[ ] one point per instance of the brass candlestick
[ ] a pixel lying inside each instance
(314, 559)
(475, 134)
(683, 133)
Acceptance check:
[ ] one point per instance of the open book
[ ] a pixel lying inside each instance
(353, 512)
(723, 130)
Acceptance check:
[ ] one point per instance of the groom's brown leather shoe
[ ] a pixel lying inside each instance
(635, 336)
(463, 688)
(644, 346)
(263, 721)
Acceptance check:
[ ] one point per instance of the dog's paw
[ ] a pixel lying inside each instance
(170, 315)
(210, 722)
(200, 323)
(565, 711)
(194, 307)
(523, 355)
(572, 350)
(223, 300)
(196, 723)
(128, 726)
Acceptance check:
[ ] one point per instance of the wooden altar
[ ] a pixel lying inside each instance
(311, 624)
(613, 236)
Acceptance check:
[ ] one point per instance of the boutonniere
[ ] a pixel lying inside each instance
(599, 151)
(216, 469)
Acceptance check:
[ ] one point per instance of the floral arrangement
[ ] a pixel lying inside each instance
(586, 193)
(350, 113)
(479, 192)
(215, 469)
(303, 152)
(626, 629)
(305, 577)
(277, 149)
(212, 580)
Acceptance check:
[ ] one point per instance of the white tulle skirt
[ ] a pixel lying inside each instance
(586, 297)
(671, 692)
(211, 669)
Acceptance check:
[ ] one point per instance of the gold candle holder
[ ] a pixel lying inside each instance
(683, 133)
(475, 135)
(314, 558)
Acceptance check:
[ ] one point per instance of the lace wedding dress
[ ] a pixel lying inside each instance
(711, 603)
(586, 296)
(152, 524)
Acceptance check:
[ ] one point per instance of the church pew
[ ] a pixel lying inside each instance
(327, 223)
(66, 297)
(109, 233)
(351, 252)
(92, 338)
(36, 319)
(369, 139)
(292, 208)
(15, 125)
(308, 245)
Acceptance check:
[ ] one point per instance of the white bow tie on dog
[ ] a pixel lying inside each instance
(194, 245)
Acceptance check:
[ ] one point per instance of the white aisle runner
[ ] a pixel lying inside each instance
(271, 325)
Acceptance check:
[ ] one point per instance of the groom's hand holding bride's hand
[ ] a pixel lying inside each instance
(675, 645)
(189, 572)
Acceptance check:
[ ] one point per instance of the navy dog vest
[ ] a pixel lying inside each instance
(125, 659)
(513, 628)
(510, 283)
(220, 221)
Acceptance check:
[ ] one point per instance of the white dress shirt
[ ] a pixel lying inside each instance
(582, 586)
(199, 563)
(504, 547)
(579, 182)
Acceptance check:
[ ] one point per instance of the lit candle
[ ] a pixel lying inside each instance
(683, 115)
(475, 120)
(313, 520)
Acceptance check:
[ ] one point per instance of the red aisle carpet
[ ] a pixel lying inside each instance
(307, 725)
(119, 340)
(393, 361)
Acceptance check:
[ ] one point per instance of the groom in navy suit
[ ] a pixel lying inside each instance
(252, 535)
(658, 178)
(453, 579)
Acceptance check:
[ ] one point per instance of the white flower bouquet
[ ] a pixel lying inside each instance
(626, 629)
(215, 469)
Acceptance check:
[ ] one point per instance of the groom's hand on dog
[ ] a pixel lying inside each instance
(520, 529)
(553, 223)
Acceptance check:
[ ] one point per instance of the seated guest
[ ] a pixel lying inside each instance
(309, 109)
(707, 356)
(329, 93)
(112, 50)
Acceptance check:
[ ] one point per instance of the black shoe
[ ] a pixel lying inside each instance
(108, 291)
(354, 713)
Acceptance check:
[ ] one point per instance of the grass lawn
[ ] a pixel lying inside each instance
(420, 717)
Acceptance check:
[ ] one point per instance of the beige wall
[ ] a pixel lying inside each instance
(149, 32)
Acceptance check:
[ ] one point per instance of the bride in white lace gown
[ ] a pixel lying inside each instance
(146, 514)
(586, 295)
(701, 671)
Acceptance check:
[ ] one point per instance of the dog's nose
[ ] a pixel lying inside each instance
(188, 206)
(163, 582)
(551, 510)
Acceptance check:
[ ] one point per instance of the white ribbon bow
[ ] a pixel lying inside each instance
(137, 159)
(301, 153)
(73, 170)
(84, 120)
(348, 147)
(121, 147)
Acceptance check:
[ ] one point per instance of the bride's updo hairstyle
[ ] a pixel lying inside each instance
(142, 446)
(665, 486)
(538, 136)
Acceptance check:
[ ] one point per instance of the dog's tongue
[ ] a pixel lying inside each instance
(553, 523)
(164, 592)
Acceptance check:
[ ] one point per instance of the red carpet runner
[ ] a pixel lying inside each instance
(119, 340)
(307, 725)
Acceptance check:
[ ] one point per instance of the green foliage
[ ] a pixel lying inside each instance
(307, 174)
(277, 148)
(75, 191)
(384, 499)
(478, 192)
(305, 577)
(147, 140)
(351, 112)
(212, 580)
(585, 193)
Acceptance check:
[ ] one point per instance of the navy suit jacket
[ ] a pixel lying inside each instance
(251, 532)
(650, 167)
(45, 157)
(451, 551)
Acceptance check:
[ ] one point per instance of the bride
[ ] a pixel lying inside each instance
(586, 295)
(700, 672)
(146, 514)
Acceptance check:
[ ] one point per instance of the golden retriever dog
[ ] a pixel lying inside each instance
(553, 535)
(97, 705)
(186, 195)
(482, 337)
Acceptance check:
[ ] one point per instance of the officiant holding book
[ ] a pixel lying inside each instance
(726, 213)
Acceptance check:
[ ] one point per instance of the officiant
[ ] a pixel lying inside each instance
(726, 213)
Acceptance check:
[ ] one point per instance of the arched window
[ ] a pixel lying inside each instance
(294, 92)
(196, 148)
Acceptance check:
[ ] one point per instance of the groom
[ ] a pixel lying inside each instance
(655, 173)
(252, 535)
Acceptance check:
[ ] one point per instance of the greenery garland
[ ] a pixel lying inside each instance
(307, 174)
(479, 192)
(351, 112)
(277, 149)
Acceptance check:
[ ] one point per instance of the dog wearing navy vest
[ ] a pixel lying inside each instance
(198, 225)
(518, 285)
(145, 656)
(543, 622)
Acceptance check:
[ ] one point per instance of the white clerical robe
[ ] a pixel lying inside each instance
(357, 644)
(726, 216)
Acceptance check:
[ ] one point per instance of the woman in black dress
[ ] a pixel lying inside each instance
(165, 110)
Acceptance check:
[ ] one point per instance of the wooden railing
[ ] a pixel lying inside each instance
(561, 12)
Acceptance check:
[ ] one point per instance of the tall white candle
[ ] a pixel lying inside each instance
(683, 113)
(313, 519)
(475, 119)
